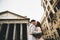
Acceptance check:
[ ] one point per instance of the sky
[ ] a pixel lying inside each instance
(30, 8)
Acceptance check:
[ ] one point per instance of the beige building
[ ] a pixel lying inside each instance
(13, 26)
(51, 21)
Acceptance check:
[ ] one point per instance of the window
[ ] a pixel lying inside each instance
(55, 22)
(54, 18)
(54, 34)
(49, 19)
(58, 30)
(46, 2)
(47, 28)
(59, 16)
(51, 1)
(52, 28)
(44, 6)
(58, 5)
(48, 8)
(44, 25)
(46, 13)
(55, 9)
(51, 16)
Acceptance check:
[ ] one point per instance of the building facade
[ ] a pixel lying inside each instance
(51, 20)
(13, 26)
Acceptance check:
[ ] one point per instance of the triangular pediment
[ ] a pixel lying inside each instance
(10, 15)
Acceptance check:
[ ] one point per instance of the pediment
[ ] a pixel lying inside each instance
(10, 15)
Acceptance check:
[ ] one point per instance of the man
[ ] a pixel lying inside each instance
(32, 29)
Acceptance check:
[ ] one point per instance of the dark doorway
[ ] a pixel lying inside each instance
(17, 31)
(10, 33)
(3, 31)
(24, 37)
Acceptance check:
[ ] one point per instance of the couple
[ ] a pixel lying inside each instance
(35, 27)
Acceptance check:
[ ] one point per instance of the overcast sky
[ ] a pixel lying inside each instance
(30, 8)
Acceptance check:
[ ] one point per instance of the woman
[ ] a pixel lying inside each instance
(38, 29)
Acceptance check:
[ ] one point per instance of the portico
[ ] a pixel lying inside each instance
(13, 26)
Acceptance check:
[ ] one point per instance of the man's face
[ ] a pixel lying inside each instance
(35, 23)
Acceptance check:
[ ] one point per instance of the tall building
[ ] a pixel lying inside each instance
(51, 21)
(13, 26)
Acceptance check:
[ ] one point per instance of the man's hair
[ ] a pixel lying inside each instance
(33, 21)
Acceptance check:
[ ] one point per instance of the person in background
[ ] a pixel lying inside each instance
(32, 29)
(38, 29)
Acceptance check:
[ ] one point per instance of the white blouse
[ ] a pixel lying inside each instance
(38, 29)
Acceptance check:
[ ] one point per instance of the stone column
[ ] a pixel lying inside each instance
(27, 30)
(21, 32)
(0, 26)
(7, 32)
(14, 33)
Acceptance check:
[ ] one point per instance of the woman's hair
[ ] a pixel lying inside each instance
(38, 24)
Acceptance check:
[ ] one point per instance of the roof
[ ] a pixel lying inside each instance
(13, 13)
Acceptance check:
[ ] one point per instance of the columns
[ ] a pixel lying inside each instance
(21, 32)
(7, 32)
(27, 30)
(23, 35)
(0, 26)
(14, 33)
(10, 33)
